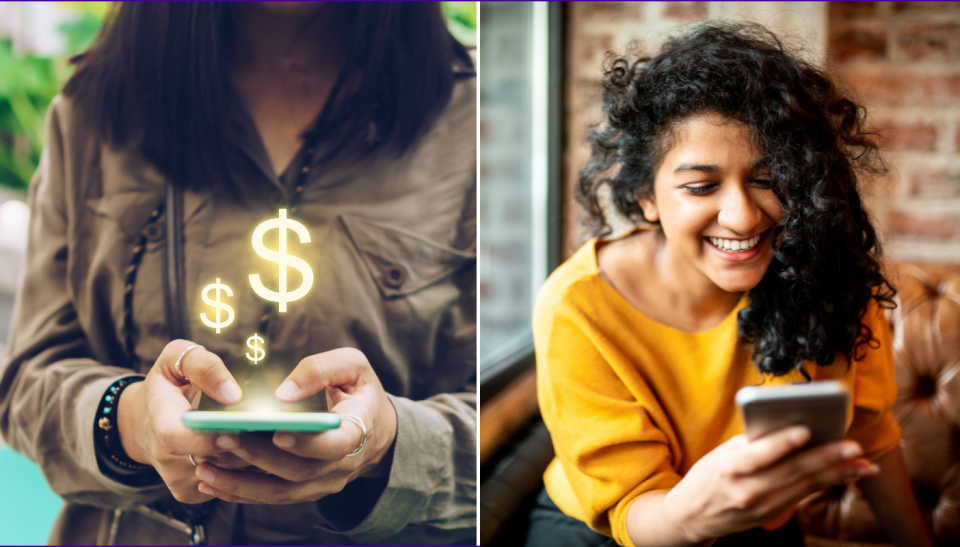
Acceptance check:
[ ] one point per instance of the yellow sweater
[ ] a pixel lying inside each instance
(632, 404)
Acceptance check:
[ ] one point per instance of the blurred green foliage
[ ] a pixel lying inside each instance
(462, 20)
(27, 85)
(29, 82)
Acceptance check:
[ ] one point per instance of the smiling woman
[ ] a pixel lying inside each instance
(709, 186)
(808, 138)
(752, 262)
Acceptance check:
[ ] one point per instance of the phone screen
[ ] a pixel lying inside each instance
(259, 382)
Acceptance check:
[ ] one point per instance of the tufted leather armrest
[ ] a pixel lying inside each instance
(926, 352)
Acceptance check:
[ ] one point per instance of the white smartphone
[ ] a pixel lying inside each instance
(821, 406)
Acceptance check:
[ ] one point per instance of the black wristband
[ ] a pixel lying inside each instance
(106, 429)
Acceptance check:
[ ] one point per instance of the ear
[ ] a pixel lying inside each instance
(650, 212)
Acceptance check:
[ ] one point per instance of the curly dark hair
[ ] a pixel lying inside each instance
(810, 303)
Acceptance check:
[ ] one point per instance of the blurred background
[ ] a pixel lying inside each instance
(36, 40)
(540, 73)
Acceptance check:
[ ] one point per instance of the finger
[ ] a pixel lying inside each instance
(814, 460)
(814, 466)
(344, 368)
(190, 495)
(211, 491)
(205, 370)
(227, 460)
(330, 445)
(769, 449)
(263, 454)
(261, 488)
(167, 406)
(842, 473)
(780, 501)
(179, 477)
(179, 440)
(333, 444)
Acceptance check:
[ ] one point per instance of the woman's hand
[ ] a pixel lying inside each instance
(307, 467)
(741, 485)
(150, 415)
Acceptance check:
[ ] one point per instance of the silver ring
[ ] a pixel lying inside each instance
(177, 366)
(363, 431)
(193, 461)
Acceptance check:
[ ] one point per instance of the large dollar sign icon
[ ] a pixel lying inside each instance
(218, 286)
(281, 257)
(258, 352)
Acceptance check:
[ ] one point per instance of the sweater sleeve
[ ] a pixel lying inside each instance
(874, 389)
(609, 446)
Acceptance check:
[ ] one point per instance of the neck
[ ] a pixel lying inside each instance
(274, 43)
(691, 291)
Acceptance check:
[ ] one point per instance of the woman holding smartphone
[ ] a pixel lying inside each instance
(753, 262)
(184, 127)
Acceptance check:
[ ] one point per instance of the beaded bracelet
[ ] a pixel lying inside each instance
(107, 431)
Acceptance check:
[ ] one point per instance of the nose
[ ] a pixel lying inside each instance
(739, 211)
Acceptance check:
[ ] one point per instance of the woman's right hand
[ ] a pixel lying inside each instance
(741, 484)
(150, 415)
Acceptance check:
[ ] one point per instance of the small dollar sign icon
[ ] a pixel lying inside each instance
(217, 304)
(258, 352)
(281, 257)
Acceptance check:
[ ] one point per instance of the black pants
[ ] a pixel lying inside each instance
(549, 527)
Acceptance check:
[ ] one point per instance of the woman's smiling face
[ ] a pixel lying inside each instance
(713, 199)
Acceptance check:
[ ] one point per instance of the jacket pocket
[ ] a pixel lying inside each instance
(401, 262)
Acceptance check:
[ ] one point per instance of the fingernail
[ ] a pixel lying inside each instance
(230, 391)
(207, 476)
(800, 436)
(287, 390)
(285, 441)
(226, 441)
(850, 451)
(203, 487)
(872, 469)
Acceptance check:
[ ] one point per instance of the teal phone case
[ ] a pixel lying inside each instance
(213, 421)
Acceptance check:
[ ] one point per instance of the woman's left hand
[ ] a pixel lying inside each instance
(308, 466)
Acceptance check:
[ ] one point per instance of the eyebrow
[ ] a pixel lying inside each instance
(710, 168)
(697, 167)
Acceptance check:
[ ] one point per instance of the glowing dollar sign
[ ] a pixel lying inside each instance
(217, 304)
(281, 257)
(258, 352)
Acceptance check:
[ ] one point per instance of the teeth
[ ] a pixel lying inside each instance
(735, 245)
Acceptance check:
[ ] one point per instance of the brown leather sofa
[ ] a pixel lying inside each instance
(926, 328)
(926, 348)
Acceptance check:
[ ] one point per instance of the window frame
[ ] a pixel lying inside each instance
(515, 356)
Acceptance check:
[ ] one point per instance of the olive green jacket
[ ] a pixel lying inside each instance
(393, 247)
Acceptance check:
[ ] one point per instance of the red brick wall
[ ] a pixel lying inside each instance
(594, 28)
(902, 60)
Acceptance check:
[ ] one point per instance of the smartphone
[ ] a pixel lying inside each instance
(218, 421)
(259, 410)
(821, 406)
